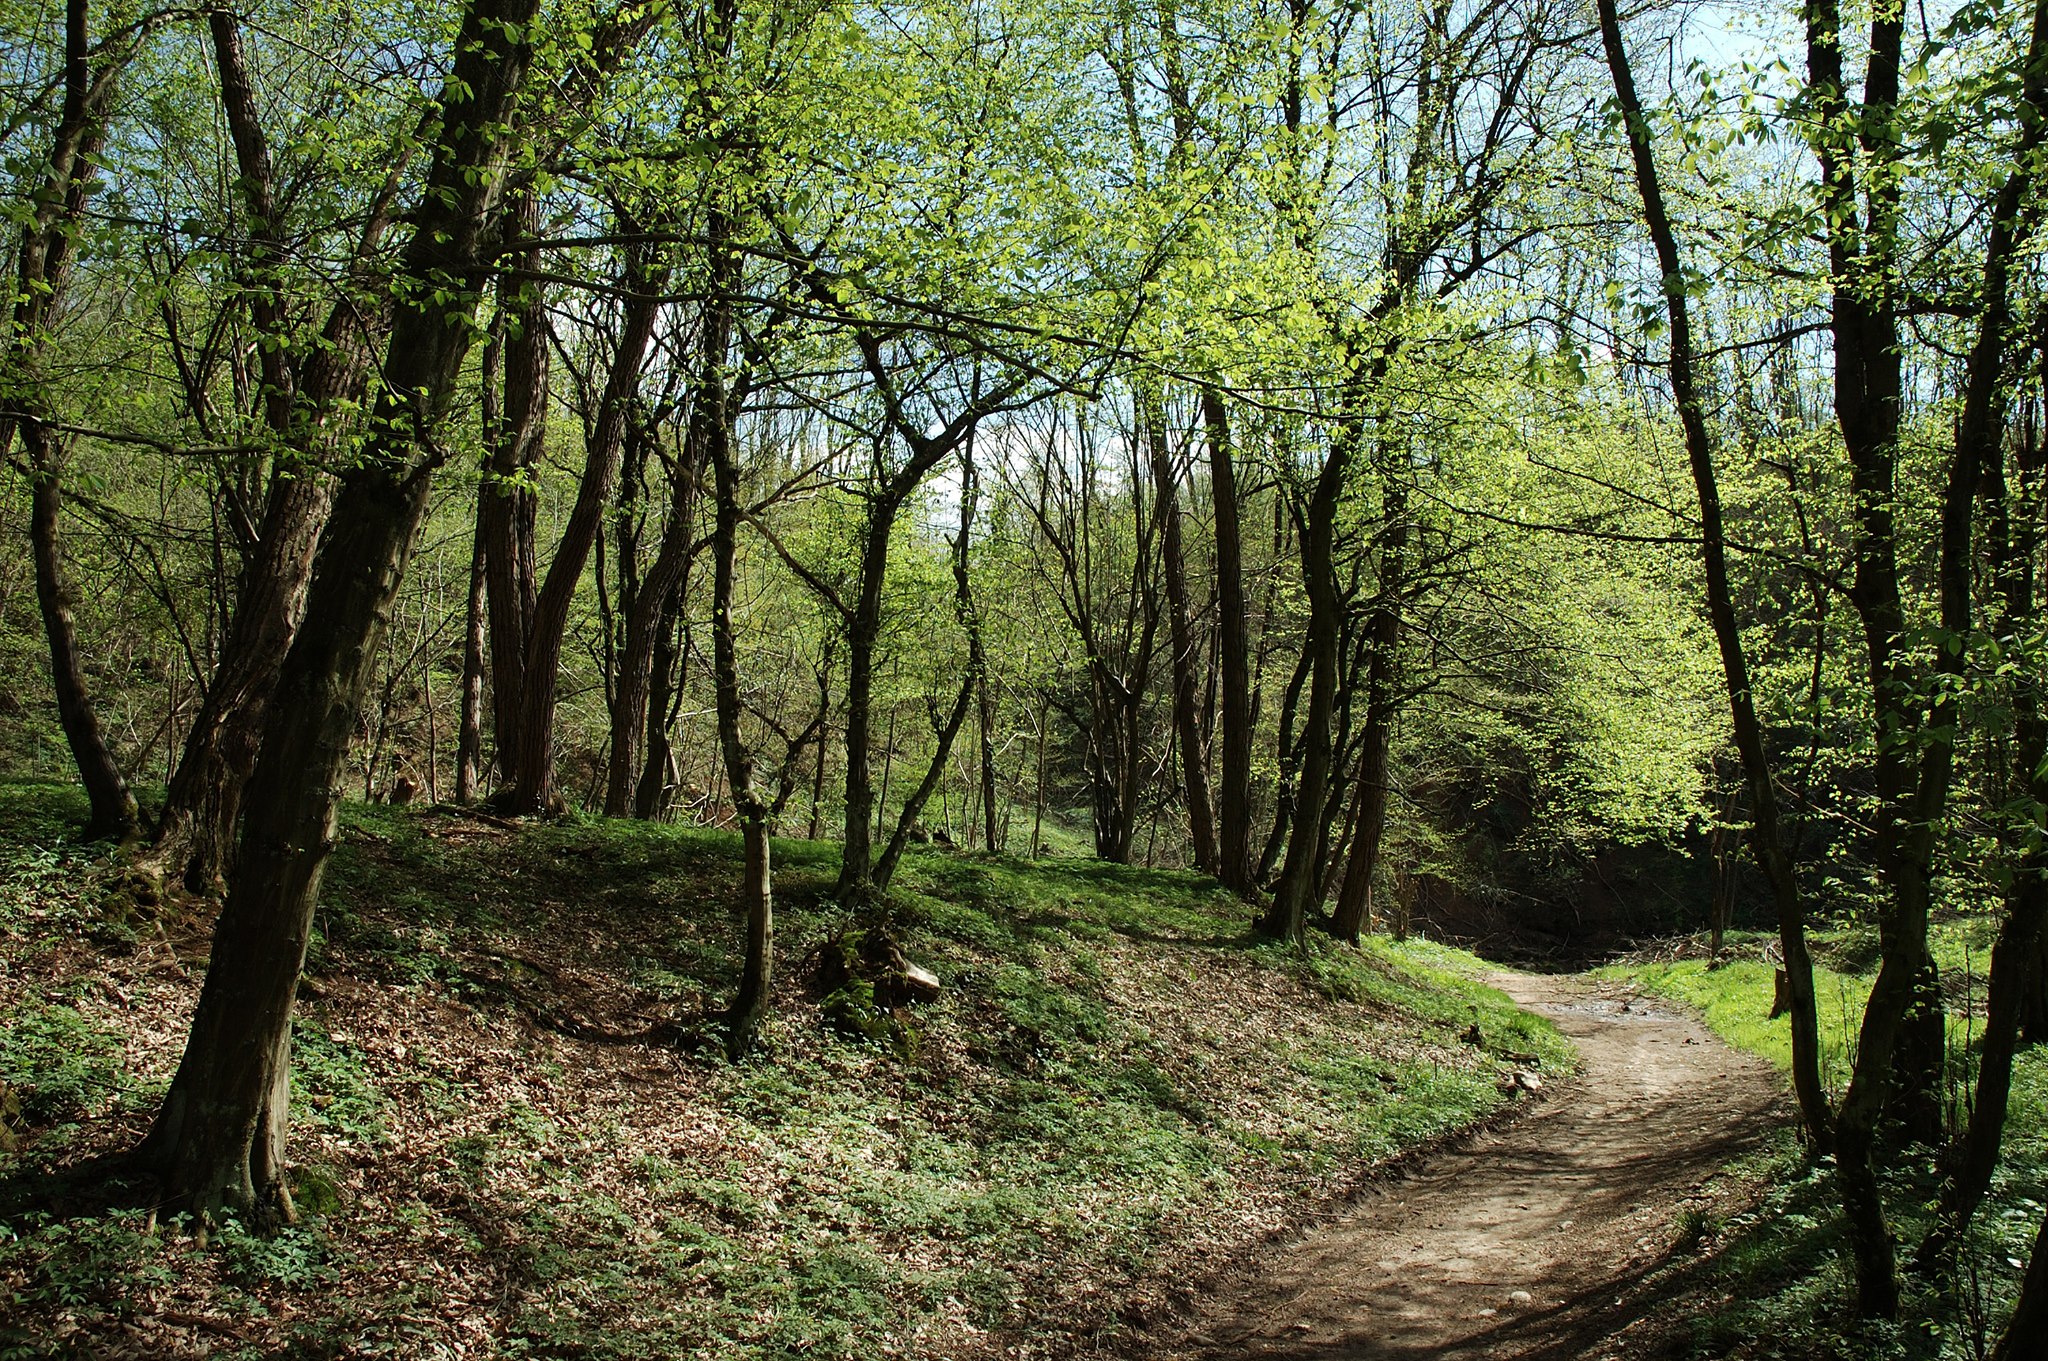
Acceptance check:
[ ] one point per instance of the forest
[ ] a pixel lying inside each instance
(894, 563)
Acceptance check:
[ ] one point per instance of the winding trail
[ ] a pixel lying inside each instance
(1535, 1241)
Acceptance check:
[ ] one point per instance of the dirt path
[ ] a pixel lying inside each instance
(1532, 1242)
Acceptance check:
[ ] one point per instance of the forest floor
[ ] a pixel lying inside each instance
(513, 1134)
(1552, 1237)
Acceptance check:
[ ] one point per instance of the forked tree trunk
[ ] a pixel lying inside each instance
(949, 727)
(670, 672)
(204, 799)
(1288, 915)
(218, 1140)
(508, 510)
(653, 612)
(863, 620)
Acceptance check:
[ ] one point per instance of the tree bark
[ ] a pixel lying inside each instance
(218, 1141)
(1287, 917)
(2015, 545)
(949, 727)
(514, 406)
(863, 620)
(653, 610)
(469, 742)
(757, 902)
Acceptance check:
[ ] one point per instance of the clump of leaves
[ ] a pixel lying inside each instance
(100, 1267)
(331, 1088)
(55, 1065)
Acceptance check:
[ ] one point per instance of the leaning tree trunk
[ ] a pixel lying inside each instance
(218, 1140)
(1767, 838)
(112, 804)
(532, 787)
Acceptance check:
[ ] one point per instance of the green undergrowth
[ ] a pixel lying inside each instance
(510, 1119)
(1780, 1266)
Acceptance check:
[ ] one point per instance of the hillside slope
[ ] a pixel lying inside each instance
(509, 1143)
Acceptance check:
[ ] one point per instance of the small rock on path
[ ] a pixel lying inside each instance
(1530, 1242)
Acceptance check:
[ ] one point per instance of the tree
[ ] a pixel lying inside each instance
(218, 1141)
(43, 266)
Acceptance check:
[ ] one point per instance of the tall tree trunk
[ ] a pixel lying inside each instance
(204, 799)
(993, 820)
(1187, 717)
(218, 1141)
(112, 804)
(1234, 786)
(652, 615)
(863, 631)
(43, 269)
(863, 620)
(469, 742)
(515, 369)
(203, 802)
(949, 727)
(2015, 545)
(651, 797)
(750, 1003)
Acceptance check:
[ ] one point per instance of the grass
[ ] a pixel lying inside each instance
(1779, 1267)
(1118, 1088)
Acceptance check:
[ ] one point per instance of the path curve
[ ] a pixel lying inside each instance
(1530, 1242)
